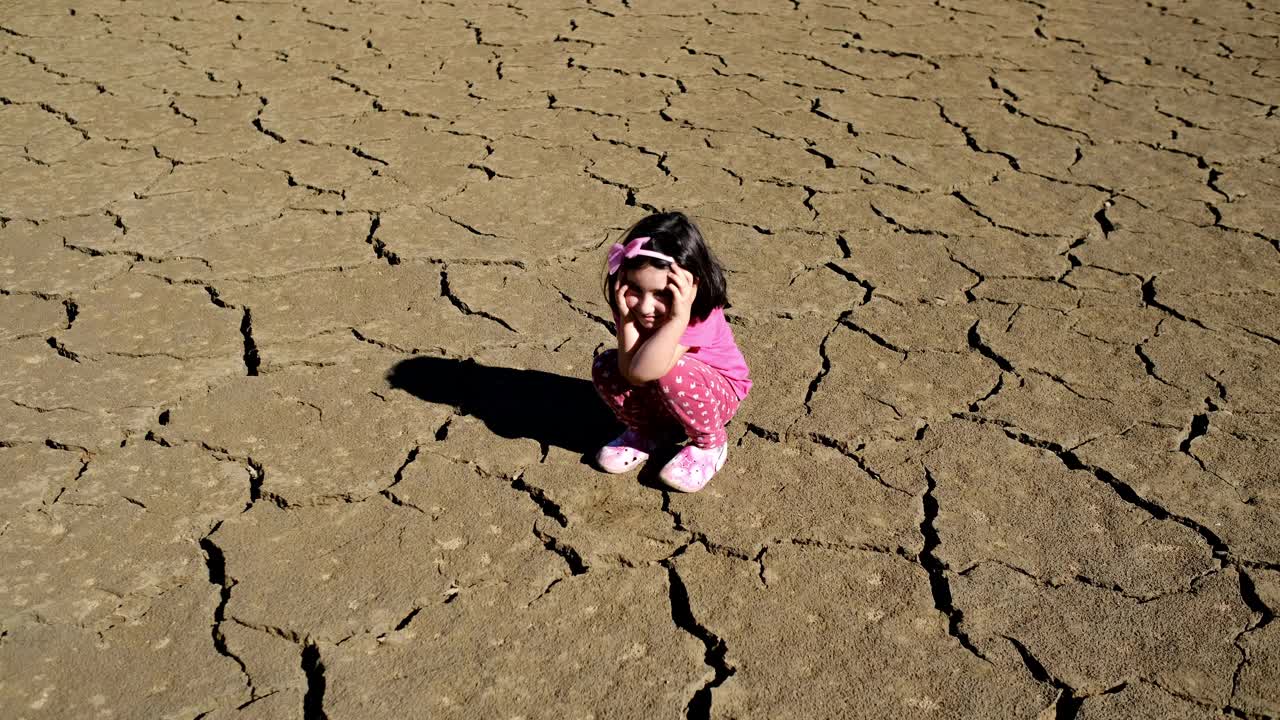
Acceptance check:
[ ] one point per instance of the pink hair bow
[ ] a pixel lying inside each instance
(620, 252)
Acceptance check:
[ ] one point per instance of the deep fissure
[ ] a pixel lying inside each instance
(939, 585)
(699, 706)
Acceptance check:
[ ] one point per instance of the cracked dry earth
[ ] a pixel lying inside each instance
(1007, 274)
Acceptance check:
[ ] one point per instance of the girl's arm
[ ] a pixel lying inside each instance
(627, 332)
(628, 342)
(656, 356)
(659, 352)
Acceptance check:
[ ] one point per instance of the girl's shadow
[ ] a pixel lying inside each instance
(548, 408)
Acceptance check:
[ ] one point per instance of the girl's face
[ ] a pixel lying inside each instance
(647, 296)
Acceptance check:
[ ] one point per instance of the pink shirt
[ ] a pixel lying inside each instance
(711, 341)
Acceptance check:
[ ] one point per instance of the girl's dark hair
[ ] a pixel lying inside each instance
(671, 233)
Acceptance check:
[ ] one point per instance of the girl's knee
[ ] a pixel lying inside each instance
(678, 377)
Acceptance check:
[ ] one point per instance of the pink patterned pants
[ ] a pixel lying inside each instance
(693, 397)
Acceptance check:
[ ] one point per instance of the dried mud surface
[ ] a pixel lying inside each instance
(296, 297)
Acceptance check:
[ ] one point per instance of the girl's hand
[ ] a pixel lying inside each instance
(623, 313)
(684, 288)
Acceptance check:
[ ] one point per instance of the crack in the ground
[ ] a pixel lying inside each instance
(1081, 579)
(447, 293)
(252, 360)
(896, 551)
(840, 446)
(1149, 366)
(972, 143)
(1220, 551)
(1067, 705)
(398, 477)
(1065, 385)
(314, 189)
(249, 354)
(257, 123)
(979, 277)
(469, 228)
(253, 468)
(1265, 615)
(549, 509)
(826, 362)
(937, 569)
(631, 199)
(314, 671)
(1014, 110)
(976, 405)
(715, 656)
(1104, 223)
(538, 496)
(42, 409)
(137, 257)
(1149, 299)
(85, 458)
(977, 211)
(606, 324)
(62, 115)
(380, 250)
(72, 310)
(877, 339)
(217, 567)
(895, 224)
(61, 349)
(867, 288)
(977, 343)
(570, 555)
(815, 107)
(1198, 427)
(383, 344)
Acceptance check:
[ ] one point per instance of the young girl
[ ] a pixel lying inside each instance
(677, 367)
